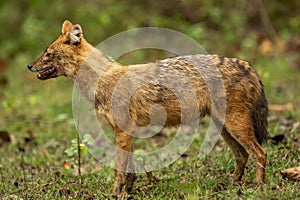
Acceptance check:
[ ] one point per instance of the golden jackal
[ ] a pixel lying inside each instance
(245, 125)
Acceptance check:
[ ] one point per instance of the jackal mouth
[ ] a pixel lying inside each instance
(46, 73)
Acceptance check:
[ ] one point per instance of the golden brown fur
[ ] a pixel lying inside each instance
(245, 126)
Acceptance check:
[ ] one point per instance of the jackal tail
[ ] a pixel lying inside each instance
(260, 118)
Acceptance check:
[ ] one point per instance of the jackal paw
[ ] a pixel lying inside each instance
(260, 184)
(122, 195)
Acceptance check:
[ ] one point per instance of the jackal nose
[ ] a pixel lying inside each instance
(29, 66)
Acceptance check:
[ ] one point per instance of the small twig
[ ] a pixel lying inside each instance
(47, 184)
(79, 158)
(78, 149)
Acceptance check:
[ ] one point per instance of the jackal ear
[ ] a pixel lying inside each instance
(66, 27)
(75, 34)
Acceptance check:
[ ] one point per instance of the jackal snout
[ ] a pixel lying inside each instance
(46, 66)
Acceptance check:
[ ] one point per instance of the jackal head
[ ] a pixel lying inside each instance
(64, 56)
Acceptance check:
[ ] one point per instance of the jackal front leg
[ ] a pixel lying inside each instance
(124, 163)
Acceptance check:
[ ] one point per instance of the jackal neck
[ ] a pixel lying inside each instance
(91, 71)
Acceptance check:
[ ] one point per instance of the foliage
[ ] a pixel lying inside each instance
(86, 140)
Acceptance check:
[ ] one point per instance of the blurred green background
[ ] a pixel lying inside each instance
(224, 27)
(36, 124)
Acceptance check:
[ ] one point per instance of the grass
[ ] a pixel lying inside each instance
(38, 117)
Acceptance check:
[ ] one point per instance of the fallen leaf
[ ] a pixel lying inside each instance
(292, 173)
(151, 177)
(66, 165)
(282, 107)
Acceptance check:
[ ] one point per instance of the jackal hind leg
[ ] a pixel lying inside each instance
(239, 153)
(242, 130)
(130, 178)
